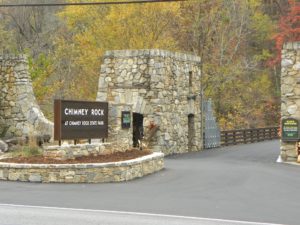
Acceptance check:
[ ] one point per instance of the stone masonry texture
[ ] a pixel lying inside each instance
(83, 173)
(20, 114)
(79, 150)
(290, 93)
(164, 87)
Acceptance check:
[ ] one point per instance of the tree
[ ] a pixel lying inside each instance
(232, 37)
(7, 43)
(31, 30)
(90, 31)
(32, 27)
(288, 29)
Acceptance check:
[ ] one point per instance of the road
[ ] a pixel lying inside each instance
(234, 183)
(20, 215)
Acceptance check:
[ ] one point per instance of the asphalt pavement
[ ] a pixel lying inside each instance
(241, 183)
(23, 215)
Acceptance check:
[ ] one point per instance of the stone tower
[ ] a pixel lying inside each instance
(158, 88)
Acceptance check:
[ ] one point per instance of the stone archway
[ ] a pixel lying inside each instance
(137, 129)
(139, 104)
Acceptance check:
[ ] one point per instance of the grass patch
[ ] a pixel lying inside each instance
(27, 151)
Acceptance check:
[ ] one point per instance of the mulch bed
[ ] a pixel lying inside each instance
(115, 157)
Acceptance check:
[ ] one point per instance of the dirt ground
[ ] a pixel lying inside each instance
(115, 157)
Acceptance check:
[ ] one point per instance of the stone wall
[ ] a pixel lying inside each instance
(162, 86)
(65, 152)
(290, 92)
(83, 173)
(20, 114)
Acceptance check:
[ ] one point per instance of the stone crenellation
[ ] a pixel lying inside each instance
(152, 53)
(163, 87)
(290, 93)
(20, 114)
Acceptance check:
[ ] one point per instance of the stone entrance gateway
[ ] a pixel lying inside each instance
(290, 93)
(160, 89)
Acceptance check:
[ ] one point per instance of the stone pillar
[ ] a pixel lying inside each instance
(118, 137)
(290, 93)
(20, 114)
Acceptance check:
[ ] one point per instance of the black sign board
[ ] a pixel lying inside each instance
(290, 129)
(80, 120)
(126, 119)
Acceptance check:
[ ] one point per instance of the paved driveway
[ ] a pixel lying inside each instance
(234, 183)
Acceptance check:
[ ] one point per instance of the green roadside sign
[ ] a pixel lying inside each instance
(290, 129)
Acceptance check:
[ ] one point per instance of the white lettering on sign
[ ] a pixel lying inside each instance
(84, 123)
(74, 123)
(76, 112)
(83, 112)
(93, 123)
(97, 112)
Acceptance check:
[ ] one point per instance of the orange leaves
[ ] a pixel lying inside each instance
(289, 29)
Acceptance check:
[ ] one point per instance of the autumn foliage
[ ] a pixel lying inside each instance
(289, 29)
(234, 39)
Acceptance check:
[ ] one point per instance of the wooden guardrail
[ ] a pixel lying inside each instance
(234, 137)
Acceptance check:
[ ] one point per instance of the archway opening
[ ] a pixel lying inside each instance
(191, 131)
(137, 129)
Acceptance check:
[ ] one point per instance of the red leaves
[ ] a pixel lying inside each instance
(289, 29)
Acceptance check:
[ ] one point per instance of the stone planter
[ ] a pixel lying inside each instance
(83, 173)
(75, 151)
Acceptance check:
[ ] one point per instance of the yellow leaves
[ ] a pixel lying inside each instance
(91, 30)
(142, 26)
(254, 4)
(120, 27)
(264, 55)
(262, 26)
(230, 36)
(71, 14)
(81, 18)
(262, 83)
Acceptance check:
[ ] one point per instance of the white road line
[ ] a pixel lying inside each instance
(140, 214)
